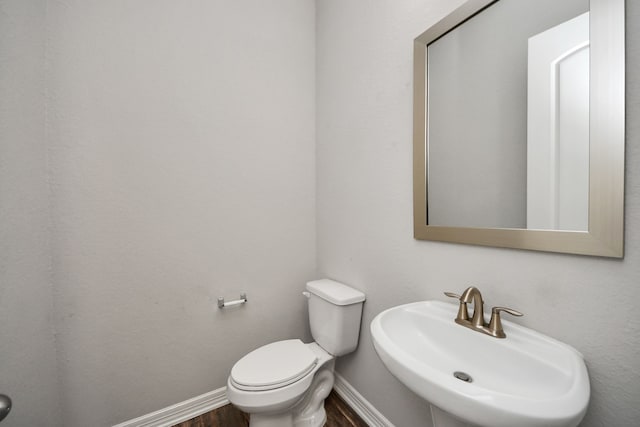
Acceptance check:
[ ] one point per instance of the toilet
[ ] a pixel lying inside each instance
(285, 383)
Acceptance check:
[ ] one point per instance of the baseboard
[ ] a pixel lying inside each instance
(182, 411)
(359, 404)
(204, 403)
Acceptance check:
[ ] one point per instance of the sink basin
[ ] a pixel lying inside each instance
(526, 379)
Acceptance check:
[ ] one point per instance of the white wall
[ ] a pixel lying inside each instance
(182, 167)
(364, 228)
(27, 353)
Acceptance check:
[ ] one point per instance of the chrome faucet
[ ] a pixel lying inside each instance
(477, 323)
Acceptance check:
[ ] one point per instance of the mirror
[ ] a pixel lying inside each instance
(519, 126)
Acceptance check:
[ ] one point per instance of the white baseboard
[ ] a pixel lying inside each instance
(204, 403)
(183, 411)
(359, 404)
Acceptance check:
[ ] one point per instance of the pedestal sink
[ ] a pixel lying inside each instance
(524, 380)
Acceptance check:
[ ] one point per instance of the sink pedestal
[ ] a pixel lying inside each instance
(444, 419)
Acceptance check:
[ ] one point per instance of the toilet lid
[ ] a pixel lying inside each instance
(274, 365)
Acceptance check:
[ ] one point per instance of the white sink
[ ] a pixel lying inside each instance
(524, 380)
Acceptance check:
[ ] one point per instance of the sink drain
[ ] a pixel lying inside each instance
(463, 376)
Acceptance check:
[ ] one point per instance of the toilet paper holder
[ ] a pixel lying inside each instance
(222, 304)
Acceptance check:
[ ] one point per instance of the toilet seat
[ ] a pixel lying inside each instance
(273, 366)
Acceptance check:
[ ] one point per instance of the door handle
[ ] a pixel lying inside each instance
(5, 406)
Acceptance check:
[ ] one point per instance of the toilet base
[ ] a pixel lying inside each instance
(310, 412)
(271, 420)
(286, 420)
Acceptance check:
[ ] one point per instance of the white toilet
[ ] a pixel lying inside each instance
(284, 384)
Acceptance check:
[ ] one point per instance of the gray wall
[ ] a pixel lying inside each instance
(182, 167)
(27, 353)
(177, 140)
(364, 228)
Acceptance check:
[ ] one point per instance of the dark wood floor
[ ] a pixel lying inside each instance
(339, 414)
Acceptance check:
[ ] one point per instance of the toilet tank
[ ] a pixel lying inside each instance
(335, 311)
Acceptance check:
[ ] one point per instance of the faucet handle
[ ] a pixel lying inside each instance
(511, 311)
(463, 314)
(495, 324)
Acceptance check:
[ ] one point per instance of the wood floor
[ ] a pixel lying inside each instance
(339, 414)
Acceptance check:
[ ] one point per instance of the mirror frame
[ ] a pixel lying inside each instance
(605, 236)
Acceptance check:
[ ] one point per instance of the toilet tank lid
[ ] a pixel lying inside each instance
(335, 292)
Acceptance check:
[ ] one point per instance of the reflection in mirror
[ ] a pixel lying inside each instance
(558, 127)
(509, 117)
(519, 126)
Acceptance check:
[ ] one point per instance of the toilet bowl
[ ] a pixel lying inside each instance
(276, 397)
(285, 383)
